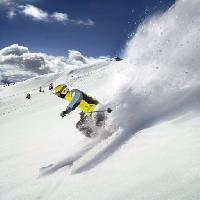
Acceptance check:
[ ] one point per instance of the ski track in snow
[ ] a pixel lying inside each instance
(78, 155)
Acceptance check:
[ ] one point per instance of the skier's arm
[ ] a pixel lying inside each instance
(76, 98)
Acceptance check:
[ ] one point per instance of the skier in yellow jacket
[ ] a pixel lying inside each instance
(90, 115)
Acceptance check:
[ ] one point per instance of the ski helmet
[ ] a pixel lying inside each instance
(61, 90)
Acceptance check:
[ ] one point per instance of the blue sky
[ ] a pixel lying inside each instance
(95, 28)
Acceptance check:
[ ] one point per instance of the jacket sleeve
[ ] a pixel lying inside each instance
(76, 98)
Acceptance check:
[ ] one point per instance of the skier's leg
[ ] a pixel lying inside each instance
(100, 118)
(83, 125)
(81, 121)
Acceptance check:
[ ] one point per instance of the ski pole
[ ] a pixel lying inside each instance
(109, 110)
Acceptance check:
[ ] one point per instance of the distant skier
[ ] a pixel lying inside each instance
(51, 86)
(92, 114)
(28, 96)
(40, 90)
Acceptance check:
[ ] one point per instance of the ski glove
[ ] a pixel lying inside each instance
(63, 113)
(67, 111)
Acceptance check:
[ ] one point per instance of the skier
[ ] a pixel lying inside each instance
(51, 86)
(91, 115)
(28, 96)
(41, 90)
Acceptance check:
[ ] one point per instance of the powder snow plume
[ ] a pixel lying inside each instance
(162, 63)
(159, 78)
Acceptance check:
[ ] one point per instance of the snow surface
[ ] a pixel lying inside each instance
(151, 147)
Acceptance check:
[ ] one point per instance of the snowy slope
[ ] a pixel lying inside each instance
(152, 148)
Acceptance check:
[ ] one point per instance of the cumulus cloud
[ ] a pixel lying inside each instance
(76, 57)
(17, 63)
(14, 49)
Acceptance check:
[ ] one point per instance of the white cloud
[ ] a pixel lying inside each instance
(37, 14)
(17, 63)
(34, 12)
(14, 49)
(76, 57)
(60, 17)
